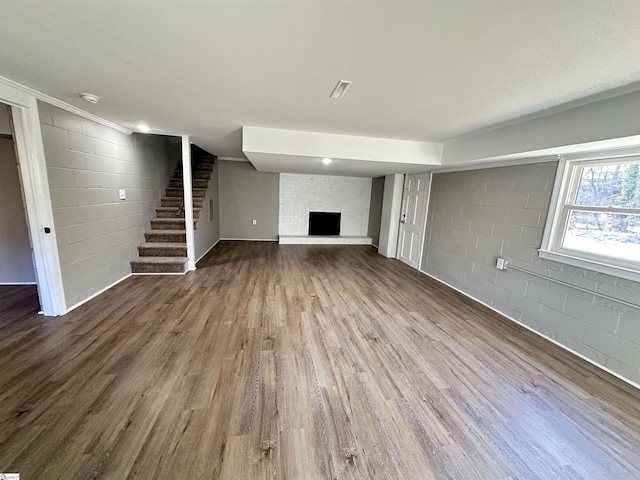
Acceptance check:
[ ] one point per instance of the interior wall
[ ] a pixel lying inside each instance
(612, 118)
(476, 216)
(390, 218)
(207, 232)
(301, 194)
(87, 163)
(375, 210)
(5, 122)
(247, 195)
(16, 258)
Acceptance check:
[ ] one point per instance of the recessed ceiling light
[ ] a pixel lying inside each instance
(326, 161)
(341, 87)
(143, 127)
(90, 97)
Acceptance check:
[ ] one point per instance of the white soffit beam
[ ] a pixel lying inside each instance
(348, 147)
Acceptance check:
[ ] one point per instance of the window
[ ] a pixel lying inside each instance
(594, 219)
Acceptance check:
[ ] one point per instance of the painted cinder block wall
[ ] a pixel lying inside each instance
(87, 163)
(476, 216)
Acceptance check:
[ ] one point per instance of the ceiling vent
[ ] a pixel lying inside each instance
(341, 87)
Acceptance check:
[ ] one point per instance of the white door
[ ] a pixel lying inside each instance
(413, 218)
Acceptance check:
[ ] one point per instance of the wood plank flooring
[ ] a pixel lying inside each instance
(300, 362)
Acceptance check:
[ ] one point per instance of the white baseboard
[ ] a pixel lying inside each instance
(251, 239)
(555, 342)
(96, 294)
(17, 283)
(158, 273)
(210, 248)
(323, 240)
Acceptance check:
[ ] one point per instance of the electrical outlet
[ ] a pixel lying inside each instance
(254, 222)
(123, 194)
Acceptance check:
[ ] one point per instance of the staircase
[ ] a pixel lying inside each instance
(165, 247)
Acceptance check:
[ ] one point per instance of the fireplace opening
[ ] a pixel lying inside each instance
(324, 223)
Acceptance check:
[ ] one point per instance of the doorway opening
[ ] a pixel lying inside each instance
(17, 271)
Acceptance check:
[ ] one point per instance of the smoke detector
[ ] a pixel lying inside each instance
(90, 97)
(340, 88)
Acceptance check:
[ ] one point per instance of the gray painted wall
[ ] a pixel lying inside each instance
(16, 261)
(476, 216)
(375, 210)
(5, 122)
(87, 163)
(603, 120)
(208, 227)
(246, 194)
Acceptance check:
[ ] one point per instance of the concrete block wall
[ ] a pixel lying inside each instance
(246, 195)
(476, 216)
(301, 194)
(87, 164)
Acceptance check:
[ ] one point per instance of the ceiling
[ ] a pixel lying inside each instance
(422, 71)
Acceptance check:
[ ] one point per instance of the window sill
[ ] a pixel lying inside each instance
(596, 266)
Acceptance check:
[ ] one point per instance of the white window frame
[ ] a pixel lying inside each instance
(566, 183)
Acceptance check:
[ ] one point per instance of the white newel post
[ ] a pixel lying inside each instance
(188, 202)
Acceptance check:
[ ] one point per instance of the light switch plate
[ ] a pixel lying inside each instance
(123, 194)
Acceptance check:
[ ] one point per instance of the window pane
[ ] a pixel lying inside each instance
(611, 234)
(610, 186)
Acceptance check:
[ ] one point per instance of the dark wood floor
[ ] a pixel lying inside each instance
(306, 362)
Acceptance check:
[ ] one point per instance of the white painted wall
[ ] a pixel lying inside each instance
(301, 194)
(390, 221)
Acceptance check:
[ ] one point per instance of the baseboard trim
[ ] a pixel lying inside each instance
(18, 283)
(555, 342)
(251, 239)
(210, 248)
(96, 294)
(160, 273)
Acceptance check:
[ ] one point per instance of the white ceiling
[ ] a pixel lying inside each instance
(422, 71)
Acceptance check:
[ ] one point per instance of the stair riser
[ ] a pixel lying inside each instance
(177, 201)
(172, 225)
(197, 183)
(177, 192)
(165, 237)
(162, 251)
(172, 214)
(165, 268)
(202, 175)
(203, 167)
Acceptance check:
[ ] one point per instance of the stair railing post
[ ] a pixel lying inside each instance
(188, 202)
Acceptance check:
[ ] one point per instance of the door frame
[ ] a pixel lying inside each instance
(426, 216)
(37, 198)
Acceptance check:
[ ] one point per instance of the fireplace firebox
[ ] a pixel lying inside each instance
(324, 223)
